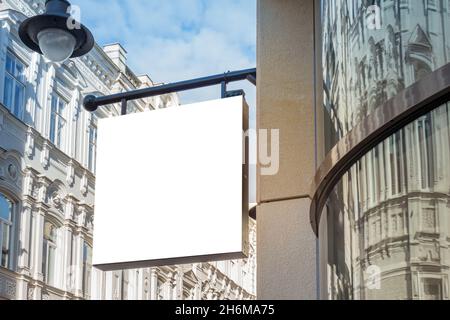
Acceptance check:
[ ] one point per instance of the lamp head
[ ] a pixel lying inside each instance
(56, 34)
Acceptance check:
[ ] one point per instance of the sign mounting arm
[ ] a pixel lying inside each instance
(91, 103)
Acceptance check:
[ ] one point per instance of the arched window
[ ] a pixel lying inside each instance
(6, 225)
(49, 253)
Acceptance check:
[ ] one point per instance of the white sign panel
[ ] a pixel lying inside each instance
(171, 186)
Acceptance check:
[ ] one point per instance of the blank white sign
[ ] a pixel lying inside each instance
(171, 186)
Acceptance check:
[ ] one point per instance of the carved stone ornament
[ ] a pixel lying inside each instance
(55, 195)
(30, 293)
(12, 172)
(29, 146)
(56, 200)
(70, 177)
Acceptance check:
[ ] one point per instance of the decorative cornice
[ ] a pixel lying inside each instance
(97, 74)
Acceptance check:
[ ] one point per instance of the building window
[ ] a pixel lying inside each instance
(58, 121)
(6, 224)
(87, 269)
(14, 89)
(49, 253)
(92, 152)
(432, 289)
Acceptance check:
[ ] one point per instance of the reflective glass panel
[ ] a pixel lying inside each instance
(5, 208)
(14, 87)
(374, 49)
(385, 233)
(388, 221)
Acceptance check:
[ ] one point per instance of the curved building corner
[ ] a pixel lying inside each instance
(361, 104)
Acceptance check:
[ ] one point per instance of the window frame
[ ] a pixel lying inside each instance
(17, 81)
(49, 245)
(9, 224)
(58, 137)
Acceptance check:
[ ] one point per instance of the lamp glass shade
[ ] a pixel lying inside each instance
(57, 45)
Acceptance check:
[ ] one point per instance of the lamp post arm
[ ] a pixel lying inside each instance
(91, 103)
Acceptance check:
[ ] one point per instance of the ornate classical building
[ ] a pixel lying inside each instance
(47, 179)
(388, 230)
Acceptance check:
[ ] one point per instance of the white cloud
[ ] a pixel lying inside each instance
(179, 39)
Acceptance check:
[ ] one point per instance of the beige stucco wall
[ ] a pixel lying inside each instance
(286, 101)
(285, 86)
(286, 251)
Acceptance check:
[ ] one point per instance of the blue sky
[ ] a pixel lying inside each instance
(178, 39)
(174, 40)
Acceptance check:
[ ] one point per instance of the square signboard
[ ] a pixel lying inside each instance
(171, 186)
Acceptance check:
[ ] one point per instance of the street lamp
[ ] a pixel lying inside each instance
(55, 34)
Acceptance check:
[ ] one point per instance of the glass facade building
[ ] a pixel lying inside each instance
(385, 228)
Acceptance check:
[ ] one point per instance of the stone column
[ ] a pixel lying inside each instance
(178, 284)
(109, 285)
(68, 269)
(37, 243)
(24, 238)
(78, 264)
(68, 283)
(23, 263)
(286, 100)
(153, 284)
(140, 283)
(38, 229)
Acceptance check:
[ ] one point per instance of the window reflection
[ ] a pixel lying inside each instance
(14, 87)
(387, 231)
(364, 66)
(404, 231)
(6, 223)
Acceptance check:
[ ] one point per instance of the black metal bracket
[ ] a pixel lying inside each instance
(233, 93)
(91, 103)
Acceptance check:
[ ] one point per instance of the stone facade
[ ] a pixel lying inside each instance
(47, 180)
